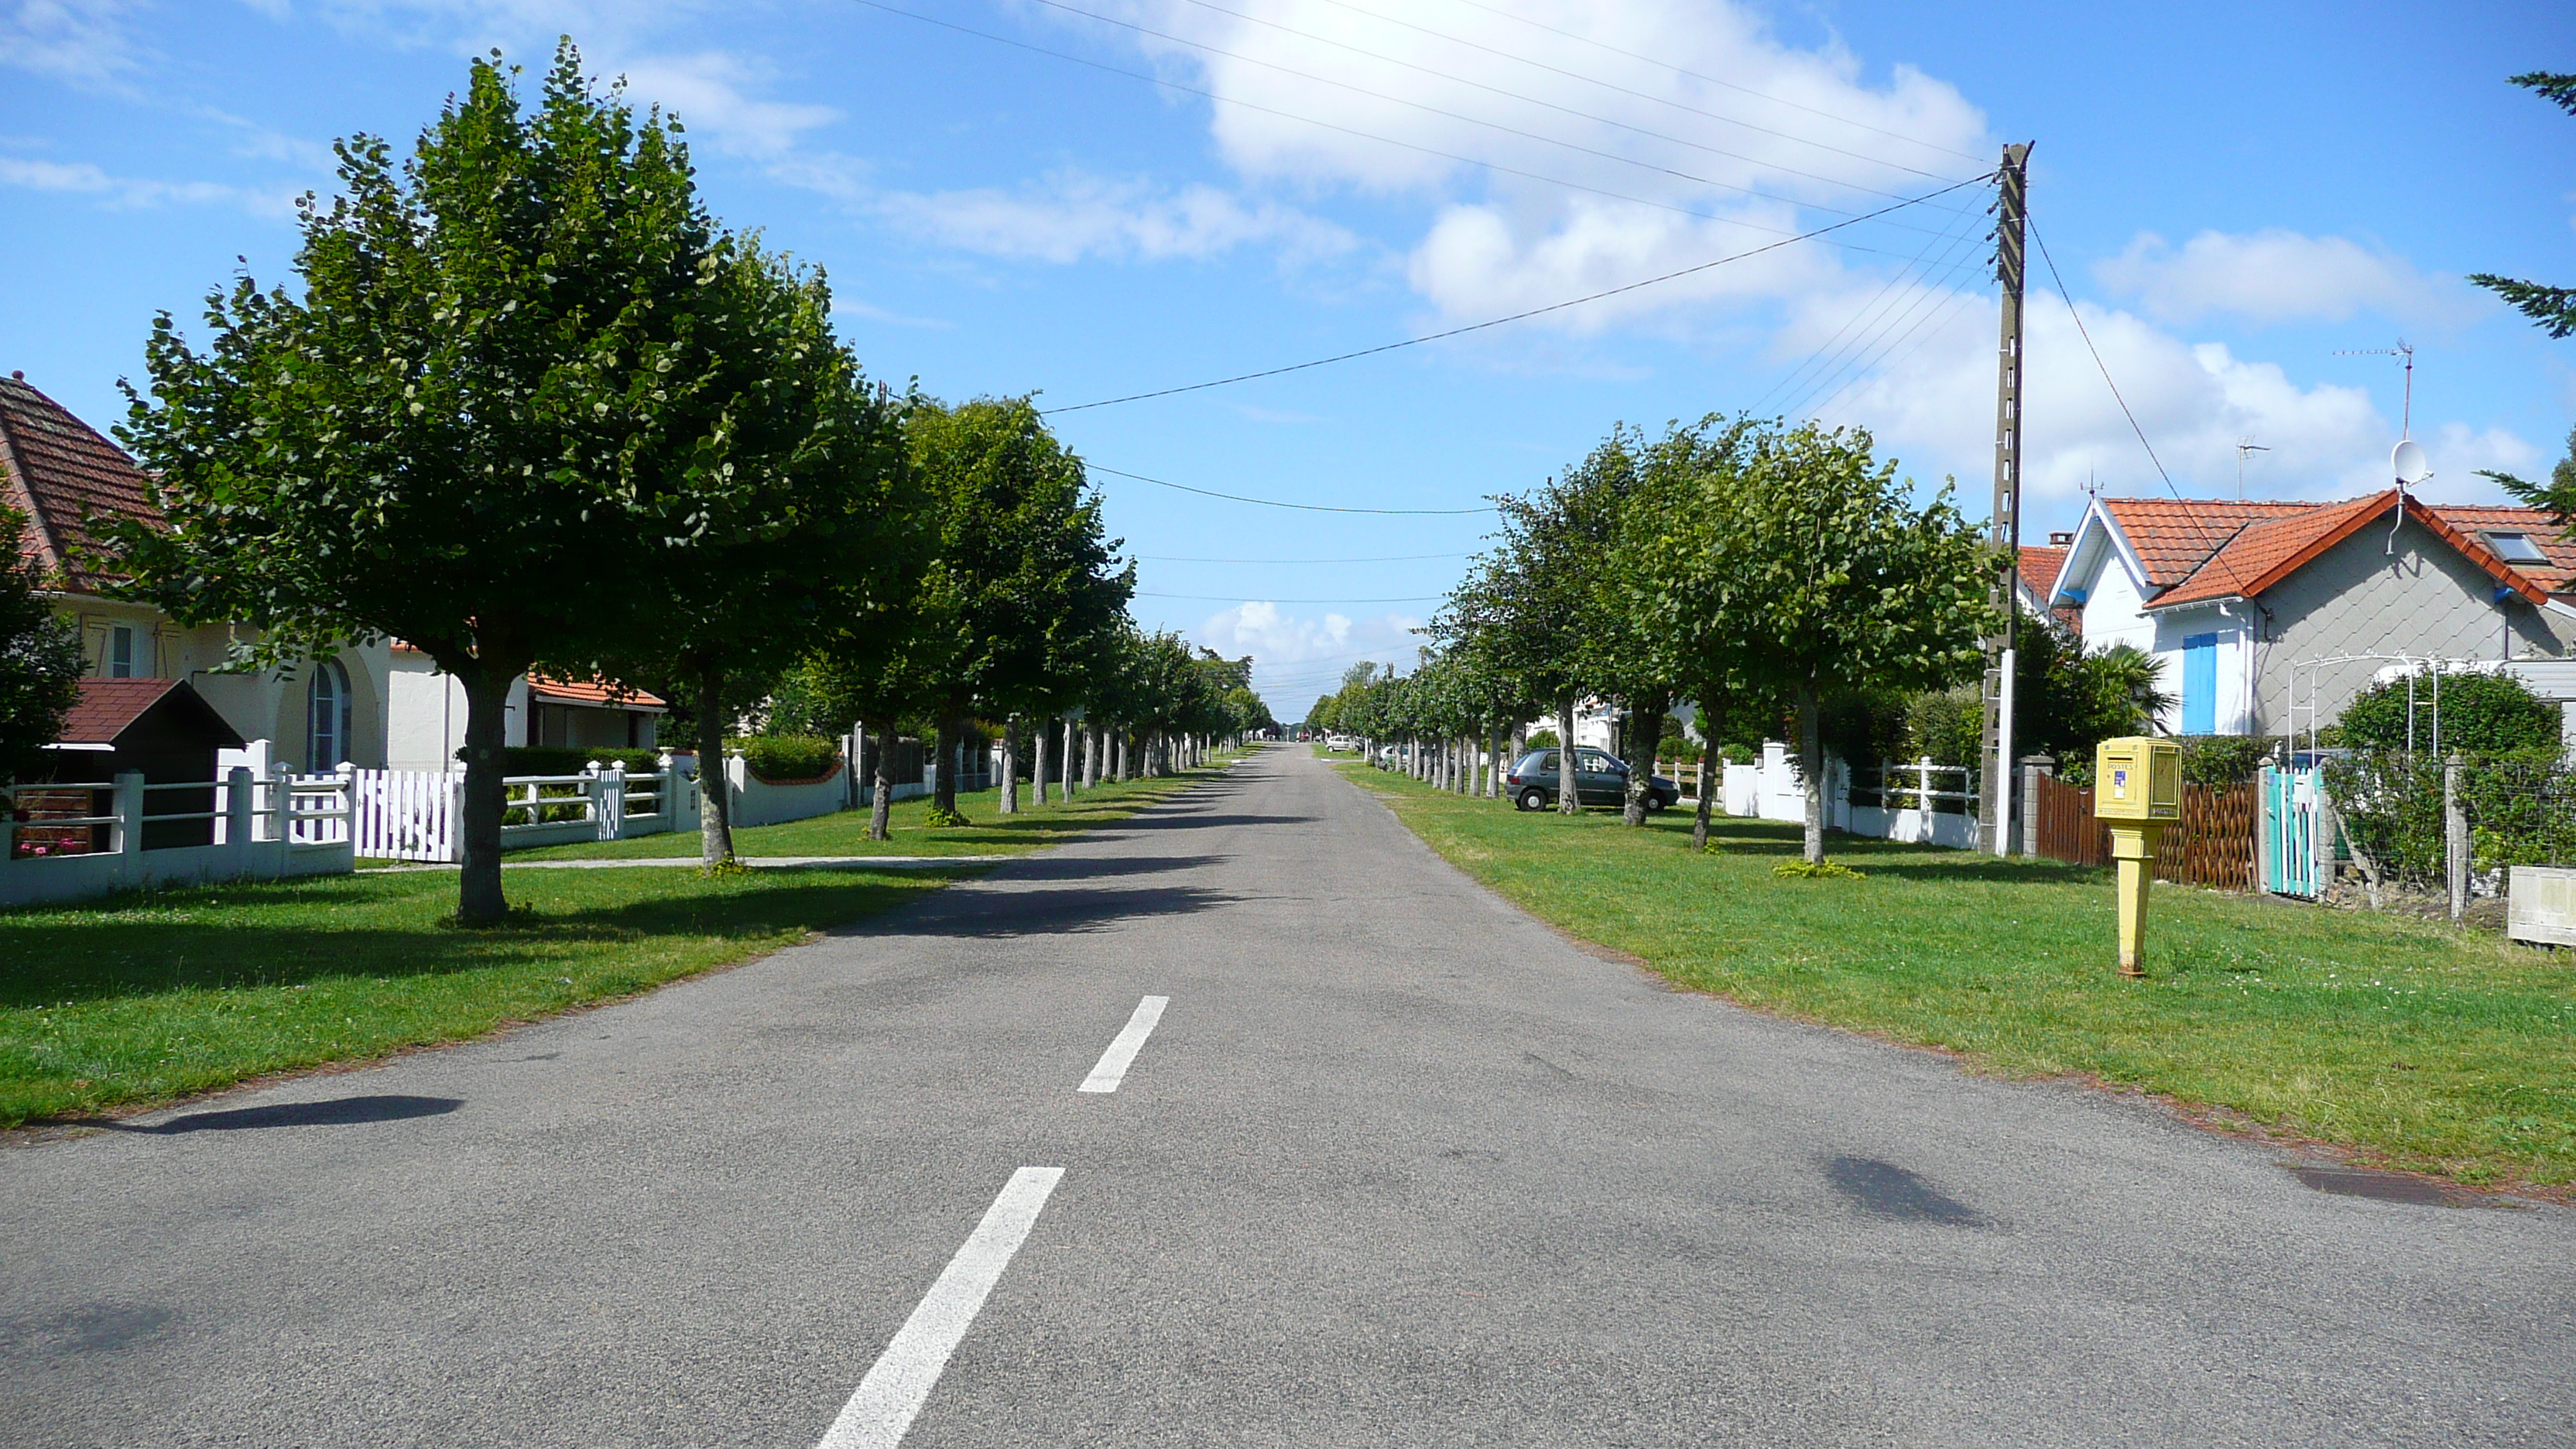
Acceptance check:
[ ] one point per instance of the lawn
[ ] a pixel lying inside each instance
(2419, 1045)
(846, 833)
(145, 998)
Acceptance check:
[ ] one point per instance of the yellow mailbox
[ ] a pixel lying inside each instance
(2137, 779)
(2137, 791)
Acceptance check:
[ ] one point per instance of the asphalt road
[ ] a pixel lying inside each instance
(1396, 1166)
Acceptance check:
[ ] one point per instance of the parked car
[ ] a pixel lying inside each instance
(1600, 778)
(1390, 756)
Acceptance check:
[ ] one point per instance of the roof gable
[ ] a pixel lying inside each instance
(59, 469)
(2264, 553)
(110, 709)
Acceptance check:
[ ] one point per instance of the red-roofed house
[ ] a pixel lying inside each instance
(2251, 606)
(375, 705)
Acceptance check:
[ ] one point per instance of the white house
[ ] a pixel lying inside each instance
(375, 706)
(2269, 617)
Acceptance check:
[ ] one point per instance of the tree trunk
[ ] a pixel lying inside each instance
(1066, 768)
(478, 887)
(1090, 755)
(1045, 755)
(1811, 764)
(1645, 731)
(951, 738)
(881, 797)
(1568, 801)
(1707, 766)
(715, 802)
(1009, 803)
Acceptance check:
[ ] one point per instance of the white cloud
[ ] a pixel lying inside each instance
(2274, 275)
(2194, 402)
(84, 42)
(1549, 184)
(83, 178)
(1295, 659)
(1073, 215)
(711, 93)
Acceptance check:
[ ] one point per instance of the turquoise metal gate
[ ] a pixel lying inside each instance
(2290, 831)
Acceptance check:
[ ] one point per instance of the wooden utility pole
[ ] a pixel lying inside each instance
(1996, 797)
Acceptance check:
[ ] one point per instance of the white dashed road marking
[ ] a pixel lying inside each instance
(887, 1399)
(1122, 1052)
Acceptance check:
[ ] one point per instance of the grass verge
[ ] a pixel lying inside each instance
(846, 833)
(144, 998)
(2415, 1045)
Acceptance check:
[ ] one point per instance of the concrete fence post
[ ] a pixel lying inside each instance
(2034, 768)
(2455, 837)
(125, 837)
(240, 798)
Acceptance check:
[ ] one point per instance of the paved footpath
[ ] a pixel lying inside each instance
(1394, 1165)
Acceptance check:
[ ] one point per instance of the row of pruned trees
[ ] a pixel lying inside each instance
(531, 407)
(1781, 578)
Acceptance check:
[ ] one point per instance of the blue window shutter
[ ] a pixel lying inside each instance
(2200, 684)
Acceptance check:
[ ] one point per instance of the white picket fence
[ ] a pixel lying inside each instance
(419, 814)
(1915, 802)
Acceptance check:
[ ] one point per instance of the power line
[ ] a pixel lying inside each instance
(2082, 331)
(1825, 356)
(1391, 558)
(1631, 91)
(1273, 502)
(1482, 86)
(1712, 80)
(1494, 166)
(1860, 360)
(1516, 316)
(1239, 599)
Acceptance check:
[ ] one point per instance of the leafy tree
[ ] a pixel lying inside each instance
(40, 658)
(498, 391)
(804, 519)
(2477, 714)
(1813, 549)
(1020, 596)
(2553, 309)
(1533, 604)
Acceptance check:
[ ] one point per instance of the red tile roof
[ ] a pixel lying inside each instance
(591, 692)
(109, 707)
(2558, 575)
(2173, 538)
(2040, 566)
(58, 468)
(2264, 551)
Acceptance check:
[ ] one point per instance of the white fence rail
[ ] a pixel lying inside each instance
(1914, 801)
(254, 829)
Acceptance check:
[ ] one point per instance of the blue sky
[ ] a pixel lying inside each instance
(2232, 193)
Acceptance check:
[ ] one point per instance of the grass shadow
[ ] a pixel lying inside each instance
(298, 933)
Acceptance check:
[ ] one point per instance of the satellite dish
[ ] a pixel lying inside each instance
(2409, 463)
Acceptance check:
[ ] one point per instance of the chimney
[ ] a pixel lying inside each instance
(2061, 540)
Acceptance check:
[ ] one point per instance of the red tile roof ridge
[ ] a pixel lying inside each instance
(60, 472)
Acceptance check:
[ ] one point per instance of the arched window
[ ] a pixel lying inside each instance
(326, 728)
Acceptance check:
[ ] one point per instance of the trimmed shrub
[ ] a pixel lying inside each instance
(2222, 760)
(2480, 714)
(571, 760)
(1542, 739)
(786, 759)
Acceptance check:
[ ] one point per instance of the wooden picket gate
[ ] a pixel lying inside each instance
(2212, 846)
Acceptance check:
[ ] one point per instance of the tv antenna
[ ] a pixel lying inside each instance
(2243, 447)
(2406, 350)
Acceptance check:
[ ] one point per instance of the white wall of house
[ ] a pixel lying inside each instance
(426, 715)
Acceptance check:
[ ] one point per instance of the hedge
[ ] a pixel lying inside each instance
(780, 758)
(569, 760)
